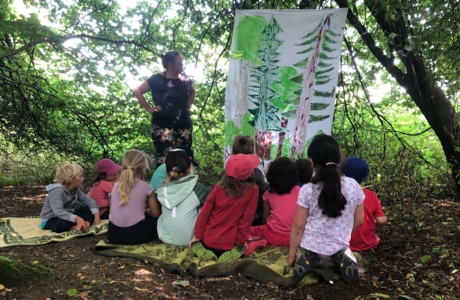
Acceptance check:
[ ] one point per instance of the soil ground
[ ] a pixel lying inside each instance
(419, 259)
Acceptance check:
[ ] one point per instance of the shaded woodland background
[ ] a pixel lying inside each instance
(67, 71)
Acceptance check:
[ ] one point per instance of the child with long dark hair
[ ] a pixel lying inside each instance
(222, 227)
(329, 209)
(280, 204)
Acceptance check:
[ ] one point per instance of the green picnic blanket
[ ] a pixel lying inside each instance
(266, 265)
(27, 231)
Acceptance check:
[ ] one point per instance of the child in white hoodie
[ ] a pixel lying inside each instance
(58, 214)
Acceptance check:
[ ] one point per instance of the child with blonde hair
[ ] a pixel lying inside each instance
(329, 209)
(102, 186)
(222, 227)
(129, 223)
(180, 197)
(58, 213)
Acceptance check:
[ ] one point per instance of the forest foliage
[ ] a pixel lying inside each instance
(68, 69)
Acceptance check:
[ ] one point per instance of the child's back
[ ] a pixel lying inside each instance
(325, 235)
(280, 204)
(244, 144)
(222, 218)
(180, 196)
(329, 210)
(226, 217)
(364, 238)
(128, 222)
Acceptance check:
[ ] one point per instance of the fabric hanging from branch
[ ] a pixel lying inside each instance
(282, 78)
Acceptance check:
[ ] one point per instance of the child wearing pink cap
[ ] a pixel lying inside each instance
(102, 186)
(223, 225)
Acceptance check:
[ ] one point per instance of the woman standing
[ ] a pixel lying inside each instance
(173, 95)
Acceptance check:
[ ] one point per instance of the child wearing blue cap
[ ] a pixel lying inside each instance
(365, 237)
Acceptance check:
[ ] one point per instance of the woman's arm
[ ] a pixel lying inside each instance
(155, 210)
(298, 227)
(359, 217)
(191, 97)
(139, 94)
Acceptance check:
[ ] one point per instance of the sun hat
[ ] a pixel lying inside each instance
(355, 167)
(241, 166)
(189, 152)
(107, 166)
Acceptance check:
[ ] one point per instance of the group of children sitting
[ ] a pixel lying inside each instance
(326, 216)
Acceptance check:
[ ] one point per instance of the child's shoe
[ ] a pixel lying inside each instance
(307, 261)
(254, 244)
(202, 252)
(348, 268)
(233, 254)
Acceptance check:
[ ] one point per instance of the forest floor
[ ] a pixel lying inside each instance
(419, 259)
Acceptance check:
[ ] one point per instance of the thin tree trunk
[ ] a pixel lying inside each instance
(299, 137)
(263, 143)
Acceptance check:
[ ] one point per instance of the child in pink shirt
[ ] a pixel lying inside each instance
(280, 204)
(102, 186)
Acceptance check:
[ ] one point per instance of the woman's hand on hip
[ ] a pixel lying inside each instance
(154, 109)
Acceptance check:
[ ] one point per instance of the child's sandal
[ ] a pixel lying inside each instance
(305, 264)
(348, 268)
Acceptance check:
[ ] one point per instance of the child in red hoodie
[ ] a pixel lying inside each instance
(365, 237)
(223, 225)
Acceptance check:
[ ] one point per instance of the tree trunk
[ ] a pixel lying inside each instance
(281, 137)
(421, 87)
(263, 143)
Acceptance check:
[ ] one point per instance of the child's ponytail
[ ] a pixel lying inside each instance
(135, 164)
(325, 153)
(178, 164)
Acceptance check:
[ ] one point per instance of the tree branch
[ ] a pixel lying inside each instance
(386, 61)
(70, 37)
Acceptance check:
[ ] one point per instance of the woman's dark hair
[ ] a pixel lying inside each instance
(235, 188)
(305, 170)
(98, 178)
(324, 151)
(169, 57)
(282, 175)
(177, 165)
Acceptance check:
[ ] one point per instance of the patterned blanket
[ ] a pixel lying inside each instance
(266, 265)
(27, 231)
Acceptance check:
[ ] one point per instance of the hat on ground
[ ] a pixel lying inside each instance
(241, 166)
(189, 152)
(107, 166)
(355, 168)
